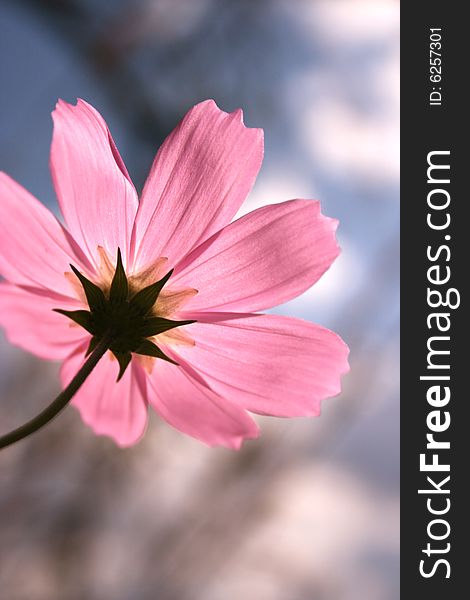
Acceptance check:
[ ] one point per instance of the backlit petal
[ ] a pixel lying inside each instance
(35, 250)
(186, 403)
(199, 179)
(95, 193)
(31, 324)
(268, 364)
(117, 410)
(267, 257)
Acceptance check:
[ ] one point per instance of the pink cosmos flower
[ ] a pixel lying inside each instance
(212, 275)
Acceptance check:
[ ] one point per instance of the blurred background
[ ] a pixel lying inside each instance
(310, 510)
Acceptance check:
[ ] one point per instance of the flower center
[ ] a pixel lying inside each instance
(123, 316)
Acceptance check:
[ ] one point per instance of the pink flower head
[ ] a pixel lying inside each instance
(217, 358)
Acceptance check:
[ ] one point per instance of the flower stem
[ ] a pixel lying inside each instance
(61, 400)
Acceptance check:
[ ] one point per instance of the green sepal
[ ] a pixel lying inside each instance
(148, 348)
(144, 300)
(155, 325)
(94, 295)
(124, 360)
(81, 317)
(91, 346)
(129, 323)
(119, 285)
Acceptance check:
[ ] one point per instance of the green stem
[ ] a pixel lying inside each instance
(62, 399)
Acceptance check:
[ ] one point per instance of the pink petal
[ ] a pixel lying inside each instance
(267, 257)
(118, 410)
(31, 324)
(199, 179)
(35, 250)
(95, 193)
(266, 363)
(181, 398)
